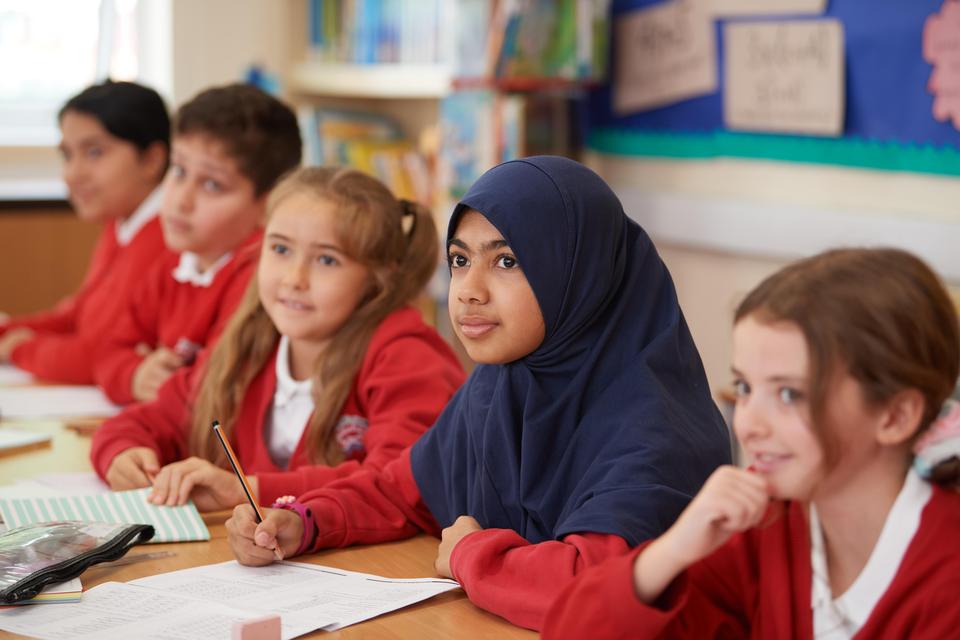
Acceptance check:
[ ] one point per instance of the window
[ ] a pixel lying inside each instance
(50, 50)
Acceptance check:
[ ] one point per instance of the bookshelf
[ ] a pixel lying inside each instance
(466, 83)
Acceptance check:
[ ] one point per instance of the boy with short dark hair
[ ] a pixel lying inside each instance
(230, 146)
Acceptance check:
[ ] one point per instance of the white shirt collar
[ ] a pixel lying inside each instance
(287, 387)
(188, 269)
(842, 617)
(147, 211)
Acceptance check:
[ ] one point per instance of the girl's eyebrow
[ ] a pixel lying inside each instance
(775, 378)
(274, 235)
(490, 245)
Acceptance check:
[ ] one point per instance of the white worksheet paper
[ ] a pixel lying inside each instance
(202, 603)
(55, 402)
(301, 593)
(117, 611)
(11, 375)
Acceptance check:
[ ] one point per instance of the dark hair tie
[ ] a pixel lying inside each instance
(408, 209)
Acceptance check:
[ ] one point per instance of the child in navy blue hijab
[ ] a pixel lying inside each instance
(586, 429)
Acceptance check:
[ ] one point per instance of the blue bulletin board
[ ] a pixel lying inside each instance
(889, 122)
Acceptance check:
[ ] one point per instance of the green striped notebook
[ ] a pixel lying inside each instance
(172, 524)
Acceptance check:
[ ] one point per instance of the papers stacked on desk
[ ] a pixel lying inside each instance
(172, 524)
(17, 440)
(54, 402)
(203, 603)
(10, 375)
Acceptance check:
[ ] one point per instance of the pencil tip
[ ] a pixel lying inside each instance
(216, 423)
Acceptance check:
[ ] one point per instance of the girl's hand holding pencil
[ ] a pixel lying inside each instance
(732, 500)
(278, 536)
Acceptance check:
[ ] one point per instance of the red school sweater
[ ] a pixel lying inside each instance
(68, 335)
(407, 376)
(163, 312)
(499, 570)
(758, 586)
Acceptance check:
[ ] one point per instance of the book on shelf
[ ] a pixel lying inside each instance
(482, 128)
(380, 31)
(549, 39)
(477, 38)
(370, 142)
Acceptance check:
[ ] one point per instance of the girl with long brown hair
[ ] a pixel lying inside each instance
(842, 363)
(324, 369)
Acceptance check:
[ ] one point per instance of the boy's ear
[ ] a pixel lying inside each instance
(155, 159)
(902, 417)
(261, 204)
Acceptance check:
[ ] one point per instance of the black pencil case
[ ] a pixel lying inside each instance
(42, 554)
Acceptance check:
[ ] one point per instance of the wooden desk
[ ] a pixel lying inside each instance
(68, 452)
(449, 615)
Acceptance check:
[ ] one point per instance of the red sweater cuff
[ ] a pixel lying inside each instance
(331, 523)
(20, 355)
(466, 561)
(623, 597)
(119, 387)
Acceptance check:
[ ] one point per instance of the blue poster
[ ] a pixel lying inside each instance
(889, 122)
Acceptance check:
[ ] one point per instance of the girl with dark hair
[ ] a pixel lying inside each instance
(115, 142)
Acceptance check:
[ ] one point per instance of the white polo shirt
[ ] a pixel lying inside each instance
(292, 407)
(841, 618)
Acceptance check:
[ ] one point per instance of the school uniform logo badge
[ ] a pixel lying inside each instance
(350, 432)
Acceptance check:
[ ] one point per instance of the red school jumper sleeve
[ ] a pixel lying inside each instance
(67, 357)
(369, 507)
(755, 586)
(160, 425)
(405, 381)
(163, 310)
(518, 580)
(62, 318)
(500, 571)
(117, 359)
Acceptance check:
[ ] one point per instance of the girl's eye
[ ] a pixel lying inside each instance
(789, 395)
(457, 260)
(328, 261)
(177, 171)
(740, 388)
(94, 152)
(507, 262)
(212, 186)
(279, 249)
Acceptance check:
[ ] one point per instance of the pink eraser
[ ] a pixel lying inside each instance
(264, 628)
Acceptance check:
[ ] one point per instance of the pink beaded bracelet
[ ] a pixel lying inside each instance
(306, 515)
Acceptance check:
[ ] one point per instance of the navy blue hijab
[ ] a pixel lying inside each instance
(608, 426)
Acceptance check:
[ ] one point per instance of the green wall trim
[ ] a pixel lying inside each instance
(847, 152)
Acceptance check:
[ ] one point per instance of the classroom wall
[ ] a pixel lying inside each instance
(214, 41)
(721, 226)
